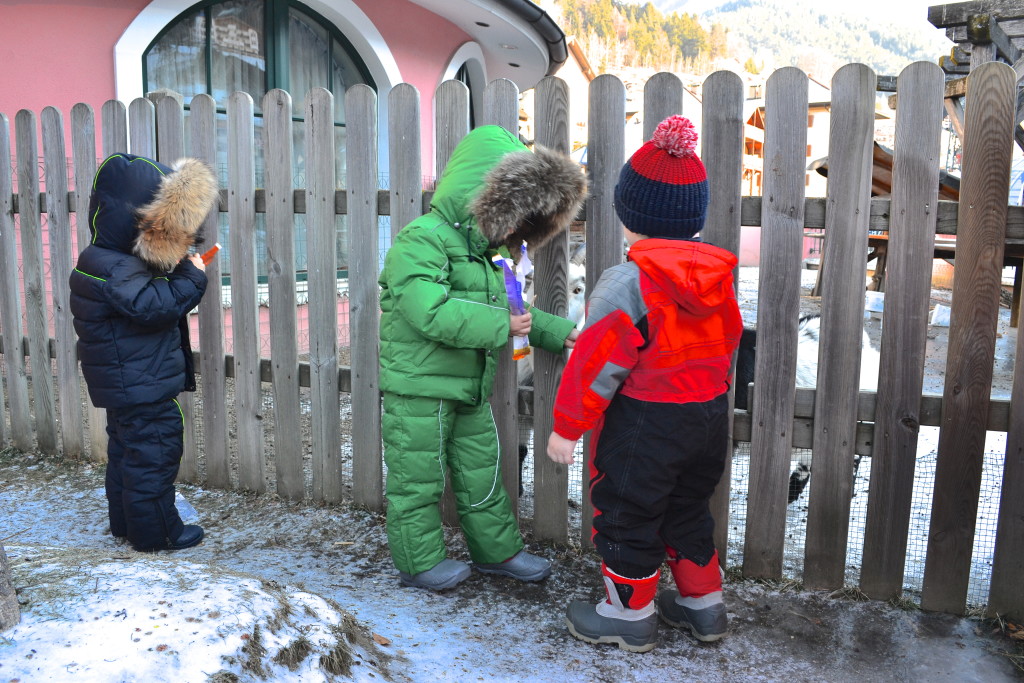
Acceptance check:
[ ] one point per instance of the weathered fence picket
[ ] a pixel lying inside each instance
(501, 108)
(10, 305)
(58, 220)
(213, 376)
(451, 123)
(322, 260)
(778, 308)
(142, 127)
(836, 420)
(364, 296)
(245, 328)
(606, 151)
(34, 278)
(915, 192)
(722, 153)
(284, 343)
(991, 97)
(551, 480)
(170, 137)
(83, 143)
(851, 141)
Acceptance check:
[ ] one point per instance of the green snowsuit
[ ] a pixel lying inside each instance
(444, 316)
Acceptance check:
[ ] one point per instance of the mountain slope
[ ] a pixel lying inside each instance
(818, 36)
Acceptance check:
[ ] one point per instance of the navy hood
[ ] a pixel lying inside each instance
(142, 207)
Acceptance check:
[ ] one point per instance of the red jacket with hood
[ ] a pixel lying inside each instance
(661, 327)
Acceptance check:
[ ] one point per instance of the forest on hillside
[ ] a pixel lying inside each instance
(758, 34)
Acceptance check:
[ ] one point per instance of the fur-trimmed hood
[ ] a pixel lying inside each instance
(140, 206)
(508, 193)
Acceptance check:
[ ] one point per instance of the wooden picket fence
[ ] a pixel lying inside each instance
(836, 420)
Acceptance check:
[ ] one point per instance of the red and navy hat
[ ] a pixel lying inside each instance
(663, 188)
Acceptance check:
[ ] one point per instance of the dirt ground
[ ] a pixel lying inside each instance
(493, 629)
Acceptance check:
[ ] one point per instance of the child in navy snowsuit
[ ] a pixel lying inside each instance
(131, 291)
(650, 376)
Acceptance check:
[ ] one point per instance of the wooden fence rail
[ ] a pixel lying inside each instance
(239, 438)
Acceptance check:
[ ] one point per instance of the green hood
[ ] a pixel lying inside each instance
(507, 193)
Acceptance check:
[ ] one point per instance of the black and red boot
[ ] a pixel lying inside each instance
(697, 605)
(627, 618)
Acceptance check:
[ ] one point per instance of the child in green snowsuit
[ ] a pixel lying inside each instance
(445, 316)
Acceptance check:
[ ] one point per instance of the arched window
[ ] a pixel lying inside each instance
(254, 46)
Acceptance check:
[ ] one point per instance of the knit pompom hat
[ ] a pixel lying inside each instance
(663, 188)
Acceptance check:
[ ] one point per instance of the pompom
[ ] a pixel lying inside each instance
(676, 135)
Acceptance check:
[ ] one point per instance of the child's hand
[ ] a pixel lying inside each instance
(519, 325)
(570, 341)
(197, 261)
(560, 449)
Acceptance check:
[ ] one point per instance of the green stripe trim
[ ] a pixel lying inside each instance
(180, 412)
(82, 272)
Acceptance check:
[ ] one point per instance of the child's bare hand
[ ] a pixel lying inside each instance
(561, 449)
(570, 341)
(197, 261)
(520, 325)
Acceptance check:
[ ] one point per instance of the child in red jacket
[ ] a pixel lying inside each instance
(650, 375)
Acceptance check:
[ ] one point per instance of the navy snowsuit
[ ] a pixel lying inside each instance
(133, 342)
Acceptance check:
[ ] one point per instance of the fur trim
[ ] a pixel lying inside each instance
(168, 225)
(529, 196)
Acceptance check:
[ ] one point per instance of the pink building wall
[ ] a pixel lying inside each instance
(61, 52)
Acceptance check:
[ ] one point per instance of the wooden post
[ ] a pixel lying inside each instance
(10, 613)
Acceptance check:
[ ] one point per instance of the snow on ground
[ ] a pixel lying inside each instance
(124, 616)
(265, 560)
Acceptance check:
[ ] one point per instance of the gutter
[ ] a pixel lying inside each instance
(545, 27)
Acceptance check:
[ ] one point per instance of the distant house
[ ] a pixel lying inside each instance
(818, 123)
(60, 54)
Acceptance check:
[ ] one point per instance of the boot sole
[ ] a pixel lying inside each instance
(710, 638)
(443, 586)
(613, 640)
(539, 576)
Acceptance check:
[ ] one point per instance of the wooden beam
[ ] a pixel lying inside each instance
(1013, 29)
(953, 14)
(947, 64)
(984, 29)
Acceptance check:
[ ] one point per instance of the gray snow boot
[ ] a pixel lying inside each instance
(522, 566)
(704, 616)
(445, 574)
(627, 618)
(592, 624)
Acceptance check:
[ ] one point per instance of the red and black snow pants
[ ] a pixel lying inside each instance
(653, 469)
